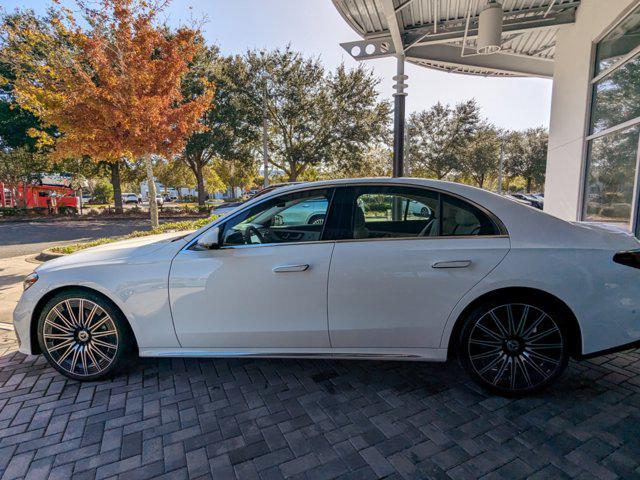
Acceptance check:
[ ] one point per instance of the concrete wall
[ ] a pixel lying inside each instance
(570, 98)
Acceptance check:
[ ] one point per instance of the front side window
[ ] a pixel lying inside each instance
(614, 127)
(401, 212)
(295, 217)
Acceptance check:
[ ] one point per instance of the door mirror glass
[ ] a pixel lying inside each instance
(210, 239)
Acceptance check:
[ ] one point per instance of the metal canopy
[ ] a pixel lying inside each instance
(441, 34)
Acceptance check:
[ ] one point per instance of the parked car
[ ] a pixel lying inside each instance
(128, 198)
(529, 200)
(225, 208)
(159, 200)
(510, 291)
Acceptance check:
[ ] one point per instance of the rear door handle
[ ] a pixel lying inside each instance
(291, 268)
(452, 264)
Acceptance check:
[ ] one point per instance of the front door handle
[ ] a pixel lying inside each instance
(452, 264)
(291, 268)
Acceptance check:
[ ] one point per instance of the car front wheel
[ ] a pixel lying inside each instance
(514, 349)
(83, 335)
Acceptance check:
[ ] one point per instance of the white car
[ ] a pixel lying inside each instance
(512, 291)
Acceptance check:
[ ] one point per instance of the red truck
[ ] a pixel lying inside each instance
(46, 198)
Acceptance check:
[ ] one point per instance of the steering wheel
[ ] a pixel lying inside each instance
(249, 232)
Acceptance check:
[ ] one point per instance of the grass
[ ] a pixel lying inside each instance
(164, 228)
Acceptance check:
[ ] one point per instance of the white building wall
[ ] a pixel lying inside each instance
(570, 102)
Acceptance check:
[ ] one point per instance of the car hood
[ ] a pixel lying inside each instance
(122, 251)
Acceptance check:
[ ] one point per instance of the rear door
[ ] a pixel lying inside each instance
(405, 257)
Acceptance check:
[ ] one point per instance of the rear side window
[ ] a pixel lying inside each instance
(405, 212)
(460, 218)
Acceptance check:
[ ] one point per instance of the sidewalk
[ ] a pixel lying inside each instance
(12, 272)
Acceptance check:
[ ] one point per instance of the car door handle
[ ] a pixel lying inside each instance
(452, 264)
(291, 268)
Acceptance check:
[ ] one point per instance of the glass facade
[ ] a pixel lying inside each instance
(611, 190)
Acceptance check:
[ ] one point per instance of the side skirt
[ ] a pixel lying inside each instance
(410, 354)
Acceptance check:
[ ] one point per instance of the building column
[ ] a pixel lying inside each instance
(399, 118)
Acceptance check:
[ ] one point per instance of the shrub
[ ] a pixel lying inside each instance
(164, 228)
(103, 192)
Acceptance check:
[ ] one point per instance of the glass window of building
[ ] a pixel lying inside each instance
(611, 190)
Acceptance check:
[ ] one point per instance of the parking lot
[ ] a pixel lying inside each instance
(315, 419)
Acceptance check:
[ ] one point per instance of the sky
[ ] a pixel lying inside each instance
(315, 28)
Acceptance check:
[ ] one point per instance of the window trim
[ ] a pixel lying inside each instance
(331, 189)
(502, 229)
(504, 233)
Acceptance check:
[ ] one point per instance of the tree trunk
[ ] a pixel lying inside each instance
(200, 178)
(153, 206)
(481, 181)
(528, 185)
(117, 188)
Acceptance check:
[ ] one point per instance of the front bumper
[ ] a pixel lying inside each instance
(22, 316)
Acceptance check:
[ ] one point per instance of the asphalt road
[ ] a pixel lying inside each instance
(25, 238)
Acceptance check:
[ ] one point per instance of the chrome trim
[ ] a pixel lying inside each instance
(349, 184)
(450, 237)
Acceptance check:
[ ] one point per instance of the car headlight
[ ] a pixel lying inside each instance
(30, 280)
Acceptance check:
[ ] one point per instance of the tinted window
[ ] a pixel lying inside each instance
(400, 212)
(460, 218)
(619, 42)
(295, 217)
(384, 212)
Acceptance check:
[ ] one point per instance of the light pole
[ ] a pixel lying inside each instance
(398, 118)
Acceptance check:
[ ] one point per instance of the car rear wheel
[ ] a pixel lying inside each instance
(514, 349)
(84, 336)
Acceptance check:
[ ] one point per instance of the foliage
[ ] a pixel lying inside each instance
(113, 89)
(479, 159)
(235, 173)
(374, 162)
(438, 137)
(174, 174)
(232, 123)
(164, 228)
(102, 192)
(212, 181)
(314, 117)
(525, 155)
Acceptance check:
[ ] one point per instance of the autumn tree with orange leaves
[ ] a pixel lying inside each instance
(112, 89)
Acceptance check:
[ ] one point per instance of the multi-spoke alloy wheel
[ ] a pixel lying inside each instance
(514, 348)
(81, 336)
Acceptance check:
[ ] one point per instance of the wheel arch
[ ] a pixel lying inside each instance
(572, 324)
(33, 325)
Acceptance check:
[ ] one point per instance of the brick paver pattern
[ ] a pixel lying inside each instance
(313, 419)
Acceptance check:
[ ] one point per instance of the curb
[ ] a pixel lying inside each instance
(177, 218)
(47, 254)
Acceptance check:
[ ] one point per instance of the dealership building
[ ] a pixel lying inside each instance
(591, 50)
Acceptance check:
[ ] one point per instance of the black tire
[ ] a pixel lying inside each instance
(522, 354)
(83, 341)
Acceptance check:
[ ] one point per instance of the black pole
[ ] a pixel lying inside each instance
(398, 118)
(398, 135)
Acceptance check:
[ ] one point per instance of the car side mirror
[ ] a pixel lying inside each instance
(210, 239)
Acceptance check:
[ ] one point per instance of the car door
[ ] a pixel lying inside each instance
(264, 288)
(407, 256)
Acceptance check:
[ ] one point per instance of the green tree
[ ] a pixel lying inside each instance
(315, 118)
(102, 192)
(479, 160)
(232, 121)
(235, 174)
(526, 156)
(438, 137)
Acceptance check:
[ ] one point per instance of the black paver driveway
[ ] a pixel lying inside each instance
(312, 419)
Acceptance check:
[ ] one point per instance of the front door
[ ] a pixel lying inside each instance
(266, 287)
(410, 256)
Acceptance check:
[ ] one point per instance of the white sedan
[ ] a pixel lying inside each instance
(399, 269)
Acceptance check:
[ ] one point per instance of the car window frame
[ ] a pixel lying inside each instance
(347, 213)
(330, 196)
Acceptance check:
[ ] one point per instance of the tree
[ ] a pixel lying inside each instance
(438, 137)
(480, 158)
(374, 162)
(174, 174)
(232, 123)
(235, 174)
(116, 92)
(526, 155)
(314, 118)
